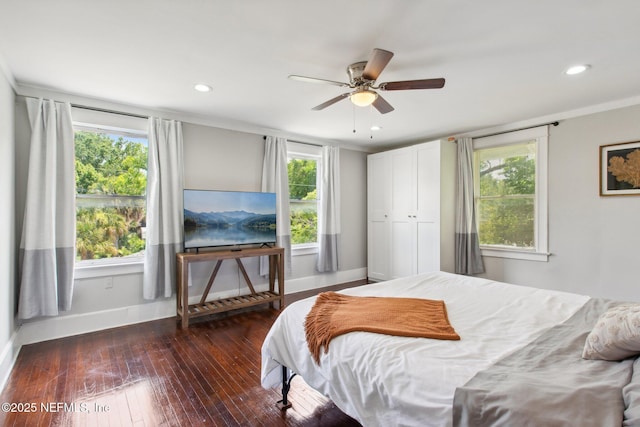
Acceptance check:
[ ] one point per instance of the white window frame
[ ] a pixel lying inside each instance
(94, 268)
(540, 136)
(307, 152)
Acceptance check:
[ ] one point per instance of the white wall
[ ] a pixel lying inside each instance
(7, 227)
(593, 240)
(353, 200)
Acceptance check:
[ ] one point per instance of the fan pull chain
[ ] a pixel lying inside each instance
(354, 117)
(371, 121)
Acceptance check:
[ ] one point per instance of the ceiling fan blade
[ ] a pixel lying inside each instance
(331, 101)
(315, 80)
(413, 84)
(379, 59)
(382, 105)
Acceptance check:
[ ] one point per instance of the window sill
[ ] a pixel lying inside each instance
(515, 254)
(89, 270)
(300, 250)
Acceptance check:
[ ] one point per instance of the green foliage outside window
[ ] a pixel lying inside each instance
(303, 201)
(506, 200)
(111, 180)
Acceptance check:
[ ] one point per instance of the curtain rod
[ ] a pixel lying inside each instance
(104, 110)
(300, 142)
(556, 123)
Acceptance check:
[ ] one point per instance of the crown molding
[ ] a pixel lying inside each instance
(570, 114)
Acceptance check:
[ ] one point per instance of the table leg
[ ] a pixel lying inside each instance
(185, 295)
(280, 263)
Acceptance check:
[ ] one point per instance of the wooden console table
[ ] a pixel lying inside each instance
(203, 308)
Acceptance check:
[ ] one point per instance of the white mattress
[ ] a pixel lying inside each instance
(384, 380)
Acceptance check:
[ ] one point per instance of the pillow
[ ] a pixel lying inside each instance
(616, 334)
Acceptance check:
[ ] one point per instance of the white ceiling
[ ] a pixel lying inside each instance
(503, 60)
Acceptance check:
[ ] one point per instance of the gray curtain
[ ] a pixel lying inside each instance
(275, 179)
(47, 247)
(164, 207)
(329, 215)
(467, 245)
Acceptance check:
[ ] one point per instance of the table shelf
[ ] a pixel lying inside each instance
(186, 311)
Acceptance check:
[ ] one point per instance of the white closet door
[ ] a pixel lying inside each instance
(403, 211)
(378, 222)
(428, 208)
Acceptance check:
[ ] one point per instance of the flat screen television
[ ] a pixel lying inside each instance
(228, 218)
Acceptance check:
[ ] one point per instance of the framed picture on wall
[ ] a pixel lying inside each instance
(620, 169)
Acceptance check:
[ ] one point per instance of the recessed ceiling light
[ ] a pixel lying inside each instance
(375, 127)
(200, 87)
(577, 69)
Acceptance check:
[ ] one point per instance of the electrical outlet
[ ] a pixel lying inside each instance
(108, 282)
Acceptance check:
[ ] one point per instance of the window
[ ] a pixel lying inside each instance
(303, 165)
(511, 194)
(111, 181)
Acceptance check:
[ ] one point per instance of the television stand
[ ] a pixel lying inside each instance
(204, 307)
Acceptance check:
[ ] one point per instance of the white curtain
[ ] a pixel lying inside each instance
(275, 179)
(164, 207)
(329, 216)
(47, 248)
(467, 246)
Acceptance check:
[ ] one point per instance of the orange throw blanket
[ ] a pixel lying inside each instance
(335, 314)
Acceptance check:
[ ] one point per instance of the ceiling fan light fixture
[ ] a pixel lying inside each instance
(363, 98)
(362, 78)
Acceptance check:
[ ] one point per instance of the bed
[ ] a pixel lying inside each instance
(518, 362)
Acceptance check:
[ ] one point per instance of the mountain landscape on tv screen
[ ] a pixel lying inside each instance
(231, 219)
(227, 228)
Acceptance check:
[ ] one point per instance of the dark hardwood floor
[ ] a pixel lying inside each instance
(157, 374)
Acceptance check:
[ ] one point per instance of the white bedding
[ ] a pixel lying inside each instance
(395, 381)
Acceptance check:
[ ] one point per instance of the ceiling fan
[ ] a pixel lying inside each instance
(362, 78)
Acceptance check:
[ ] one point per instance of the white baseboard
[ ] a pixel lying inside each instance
(76, 324)
(8, 359)
(324, 279)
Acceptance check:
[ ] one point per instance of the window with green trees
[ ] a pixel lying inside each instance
(303, 200)
(505, 196)
(111, 181)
